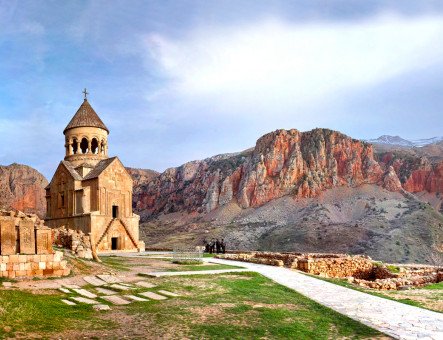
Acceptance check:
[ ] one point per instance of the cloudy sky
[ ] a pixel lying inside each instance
(181, 80)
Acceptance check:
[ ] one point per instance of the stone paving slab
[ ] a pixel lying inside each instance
(105, 291)
(64, 290)
(66, 285)
(390, 317)
(195, 272)
(167, 293)
(136, 298)
(85, 293)
(84, 300)
(70, 303)
(101, 307)
(95, 281)
(119, 286)
(153, 296)
(109, 278)
(145, 284)
(115, 299)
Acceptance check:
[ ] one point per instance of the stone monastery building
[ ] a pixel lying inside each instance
(90, 191)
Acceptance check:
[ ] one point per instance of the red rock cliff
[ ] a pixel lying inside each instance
(284, 162)
(22, 188)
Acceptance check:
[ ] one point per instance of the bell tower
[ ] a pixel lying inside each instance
(86, 137)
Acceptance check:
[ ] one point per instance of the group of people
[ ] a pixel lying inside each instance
(215, 246)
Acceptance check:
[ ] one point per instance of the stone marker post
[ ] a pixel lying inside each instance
(8, 236)
(27, 237)
(43, 240)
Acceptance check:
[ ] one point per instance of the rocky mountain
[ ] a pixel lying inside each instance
(258, 197)
(141, 176)
(22, 188)
(399, 141)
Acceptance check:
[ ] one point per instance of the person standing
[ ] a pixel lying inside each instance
(223, 246)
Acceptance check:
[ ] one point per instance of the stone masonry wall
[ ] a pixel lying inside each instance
(15, 266)
(26, 247)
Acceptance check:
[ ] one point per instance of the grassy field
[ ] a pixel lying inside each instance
(244, 305)
(238, 305)
(428, 297)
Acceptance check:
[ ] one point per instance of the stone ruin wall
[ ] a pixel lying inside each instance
(75, 240)
(26, 247)
(330, 265)
(358, 269)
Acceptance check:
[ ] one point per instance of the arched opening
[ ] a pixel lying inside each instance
(94, 146)
(84, 145)
(74, 146)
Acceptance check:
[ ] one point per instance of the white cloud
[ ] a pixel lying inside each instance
(279, 63)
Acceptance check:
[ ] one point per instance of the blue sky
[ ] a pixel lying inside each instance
(176, 81)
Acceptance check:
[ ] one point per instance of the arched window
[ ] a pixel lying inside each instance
(94, 146)
(84, 145)
(74, 146)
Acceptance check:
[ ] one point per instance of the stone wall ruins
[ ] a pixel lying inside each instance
(358, 269)
(26, 247)
(330, 265)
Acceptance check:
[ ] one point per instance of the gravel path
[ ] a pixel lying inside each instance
(390, 317)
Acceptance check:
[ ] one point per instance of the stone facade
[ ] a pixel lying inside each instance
(26, 247)
(91, 192)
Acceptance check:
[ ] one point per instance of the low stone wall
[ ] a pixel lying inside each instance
(252, 259)
(26, 247)
(330, 265)
(16, 266)
(399, 282)
(356, 266)
(358, 269)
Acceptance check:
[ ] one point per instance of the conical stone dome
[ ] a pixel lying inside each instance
(85, 117)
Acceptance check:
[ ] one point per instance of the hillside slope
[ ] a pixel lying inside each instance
(270, 198)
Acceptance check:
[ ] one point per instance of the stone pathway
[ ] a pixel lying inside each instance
(145, 284)
(153, 296)
(85, 300)
(167, 293)
(85, 293)
(105, 291)
(194, 272)
(95, 281)
(108, 289)
(115, 300)
(390, 317)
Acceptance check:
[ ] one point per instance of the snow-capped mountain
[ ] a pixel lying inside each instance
(399, 141)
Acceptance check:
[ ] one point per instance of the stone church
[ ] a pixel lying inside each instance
(91, 191)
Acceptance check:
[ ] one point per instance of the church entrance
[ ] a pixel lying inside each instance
(114, 211)
(114, 243)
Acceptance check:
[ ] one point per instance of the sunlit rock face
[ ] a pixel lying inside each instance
(22, 188)
(283, 162)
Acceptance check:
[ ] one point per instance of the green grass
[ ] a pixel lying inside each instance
(393, 269)
(117, 263)
(204, 267)
(244, 306)
(22, 312)
(434, 286)
(187, 262)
